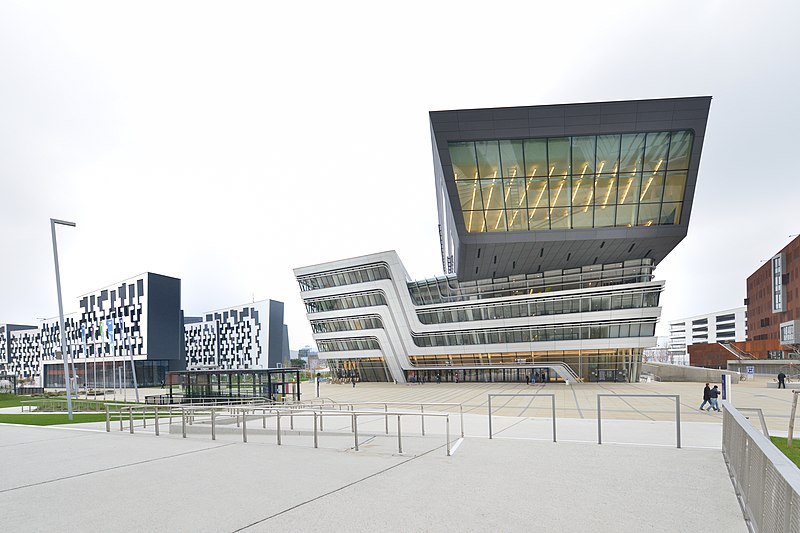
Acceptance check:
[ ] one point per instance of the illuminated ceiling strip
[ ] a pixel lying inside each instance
(488, 202)
(555, 200)
(472, 206)
(522, 198)
(539, 199)
(610, 186)
(650, 181)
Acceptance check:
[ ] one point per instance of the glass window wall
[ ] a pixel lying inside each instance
(572, 182)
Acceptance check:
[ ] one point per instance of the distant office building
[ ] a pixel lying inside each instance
(141, 319)
(551, 221)
(239, 337)
(773, 302)
(773, 311)
(710, 328)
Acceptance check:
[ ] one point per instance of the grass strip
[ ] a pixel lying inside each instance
(792, 453)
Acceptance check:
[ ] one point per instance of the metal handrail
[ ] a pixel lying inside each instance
(552, 398)
(766, 482)
(421, 405)
(188, 413)
(677, 411)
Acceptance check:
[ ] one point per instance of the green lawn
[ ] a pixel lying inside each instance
(792, 453)
(50, 419)
(11, 400)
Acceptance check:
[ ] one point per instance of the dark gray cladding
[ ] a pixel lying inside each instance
(164, 325)
(275, 351)
(485, 255)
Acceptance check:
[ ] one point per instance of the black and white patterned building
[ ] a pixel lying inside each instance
(244, 336)
(140, 319)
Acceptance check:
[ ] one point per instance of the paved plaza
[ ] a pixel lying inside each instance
(81, 478)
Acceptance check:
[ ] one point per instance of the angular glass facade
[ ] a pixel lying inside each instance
(595, 181)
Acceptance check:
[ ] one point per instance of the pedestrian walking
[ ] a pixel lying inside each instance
(713, 398)
(781, 380)
(706, 397)
(527, 379)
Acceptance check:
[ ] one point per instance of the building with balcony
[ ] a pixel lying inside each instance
(551, 221)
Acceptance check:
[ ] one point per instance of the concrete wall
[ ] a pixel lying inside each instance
(668, 372)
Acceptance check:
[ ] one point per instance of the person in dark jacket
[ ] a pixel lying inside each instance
(706, 397)
(713, 398)
(781, 380)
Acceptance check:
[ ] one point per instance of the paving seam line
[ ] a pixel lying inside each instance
(292, 508)
(115, 468)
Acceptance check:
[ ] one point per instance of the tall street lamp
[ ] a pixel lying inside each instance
(53, 223)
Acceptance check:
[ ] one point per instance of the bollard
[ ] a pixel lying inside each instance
(315, 430)
(461, 416)
(144, 417)
(236, 414)
(183, 422)
(386, 417)
(321, 427)
(213, 425)
(422, 418)
(155, 418)
(263, 419)
(399, 441)
(108, 420)
(278, 422)
(291, 418)
(447, 447)
(130, 417)
(355, 430)
(490, 416)
(244, 426)
(119, 415)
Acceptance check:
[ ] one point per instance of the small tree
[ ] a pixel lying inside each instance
(299, 363)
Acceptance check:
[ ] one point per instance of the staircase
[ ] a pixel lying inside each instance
(739, 354)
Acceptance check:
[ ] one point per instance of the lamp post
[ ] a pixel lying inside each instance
(53, 223)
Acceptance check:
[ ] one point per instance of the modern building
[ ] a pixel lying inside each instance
(773, 311)
(241, 337)
(721, 326)
(140, 319)
(773, 301)
(551, 221)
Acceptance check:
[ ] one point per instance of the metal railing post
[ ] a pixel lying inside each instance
(291, 418)
(155, 418)
(422, 418)
(355, 430)
(490, 416)
(599, 425)
(278, 432)
(119, 415)
(553, 399)
(213, 424)
(461, 416)
(130, 418)
(399, 440)
(386, 417)
(263, 419)
(678, 418)
(315, 430)
(144, 417)
(108, 420)
(183, 422)
(447, 446)
(244, 425)
(321, 425)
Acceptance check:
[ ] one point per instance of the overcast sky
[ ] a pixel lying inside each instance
(227, 143)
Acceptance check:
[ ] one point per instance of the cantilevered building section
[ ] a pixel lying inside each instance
(552, 219)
